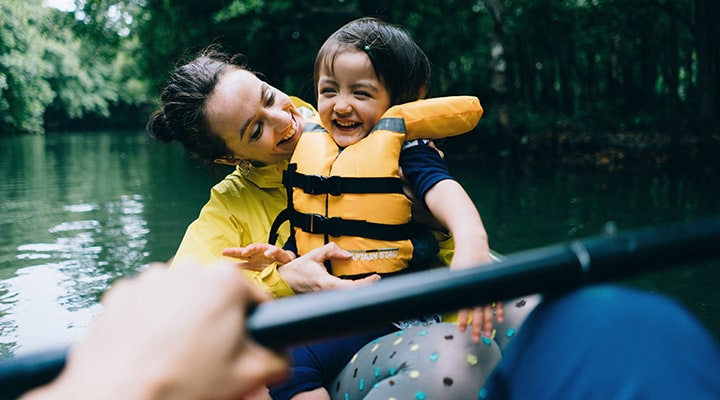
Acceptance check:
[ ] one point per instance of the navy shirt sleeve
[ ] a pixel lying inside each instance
(422, 166)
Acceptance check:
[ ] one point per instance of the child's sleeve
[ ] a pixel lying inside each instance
(422, 167)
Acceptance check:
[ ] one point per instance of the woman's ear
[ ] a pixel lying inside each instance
(228, 160)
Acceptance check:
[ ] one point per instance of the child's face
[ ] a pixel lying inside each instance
(351, 98)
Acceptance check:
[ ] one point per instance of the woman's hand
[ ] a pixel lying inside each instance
(308, 273)
(258, 256)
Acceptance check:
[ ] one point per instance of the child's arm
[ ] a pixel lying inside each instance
(455, 210)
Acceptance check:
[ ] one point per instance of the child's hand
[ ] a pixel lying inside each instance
(258, 256)
(482, 320)
(483, 317)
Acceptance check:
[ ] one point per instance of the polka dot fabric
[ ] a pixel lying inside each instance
(423, 366)
(433, 362)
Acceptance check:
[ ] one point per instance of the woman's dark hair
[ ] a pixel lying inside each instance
(181, 116)
(397, 60)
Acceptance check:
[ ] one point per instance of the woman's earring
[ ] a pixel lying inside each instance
(244, 167)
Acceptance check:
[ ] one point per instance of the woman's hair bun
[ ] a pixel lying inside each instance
(159, 128)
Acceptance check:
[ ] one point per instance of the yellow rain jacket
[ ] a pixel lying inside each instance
(240, 212)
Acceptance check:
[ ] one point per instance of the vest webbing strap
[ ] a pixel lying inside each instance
(393, 124)
(390, 124)
(283, 216)
(337, 185)
(312, 126)
(336, 226)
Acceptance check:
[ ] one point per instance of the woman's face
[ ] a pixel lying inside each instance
(351, 98)
(257, 122)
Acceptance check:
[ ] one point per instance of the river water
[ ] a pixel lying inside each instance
(79, 210)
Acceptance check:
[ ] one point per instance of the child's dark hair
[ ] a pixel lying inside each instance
(398, 61)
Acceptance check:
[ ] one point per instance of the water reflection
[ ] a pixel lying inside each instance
(60, 294)
(74, 219)
(532, 211)
(34, 313)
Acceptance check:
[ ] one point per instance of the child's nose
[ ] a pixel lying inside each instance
(342, 106)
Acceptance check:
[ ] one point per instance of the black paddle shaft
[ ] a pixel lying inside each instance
(555, 268)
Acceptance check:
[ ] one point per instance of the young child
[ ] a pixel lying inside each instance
(362, 71)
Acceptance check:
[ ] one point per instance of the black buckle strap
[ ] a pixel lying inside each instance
(316, 184)
(336, 226)
(337, 185)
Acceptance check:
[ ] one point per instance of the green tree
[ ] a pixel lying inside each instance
(46, 71)
(538, 66)
(81, 81)
(24, 89)
(279, 38)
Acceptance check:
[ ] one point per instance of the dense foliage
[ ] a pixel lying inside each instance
(45, 69)
(565, 66)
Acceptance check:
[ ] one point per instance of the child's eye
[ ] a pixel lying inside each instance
(327, 91)
(361, 93)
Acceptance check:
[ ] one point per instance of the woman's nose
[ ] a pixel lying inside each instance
(278, 118)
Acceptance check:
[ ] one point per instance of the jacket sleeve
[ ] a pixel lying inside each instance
(270, 280)
(216, 229)
(438, 117)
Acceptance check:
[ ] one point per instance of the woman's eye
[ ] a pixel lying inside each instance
(270, 99)
(256, 132)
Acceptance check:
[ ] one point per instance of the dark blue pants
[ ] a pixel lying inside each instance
(608, 342)
(316, 365)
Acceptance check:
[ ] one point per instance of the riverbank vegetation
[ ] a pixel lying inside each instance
(588, 82)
